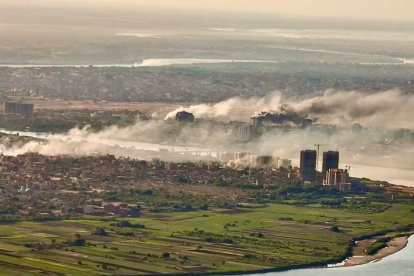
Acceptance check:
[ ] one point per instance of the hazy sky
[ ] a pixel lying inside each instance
(379, 9)
(368, 9)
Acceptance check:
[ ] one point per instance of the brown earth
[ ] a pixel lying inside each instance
(360, 257)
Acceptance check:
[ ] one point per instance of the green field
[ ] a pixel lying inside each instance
(214, 240)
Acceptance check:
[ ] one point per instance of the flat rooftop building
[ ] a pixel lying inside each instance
(308, 165)
(25, 109)
(330, 161)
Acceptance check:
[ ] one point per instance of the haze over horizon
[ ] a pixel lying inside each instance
(399, 10)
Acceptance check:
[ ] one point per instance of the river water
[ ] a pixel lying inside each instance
(191, 61)
(337, 34)
(145, 63)
(106, 142)
(398, 264)
(403, 60)
(392, 175)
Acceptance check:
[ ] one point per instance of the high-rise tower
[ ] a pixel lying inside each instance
(330, 161)
(308, 165)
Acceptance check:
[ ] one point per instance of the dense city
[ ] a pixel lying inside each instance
(206, 138)
(199, 83)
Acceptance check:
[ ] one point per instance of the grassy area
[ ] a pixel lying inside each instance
(214, 241)
(378, 245)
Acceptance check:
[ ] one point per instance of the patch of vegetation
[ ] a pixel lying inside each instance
(127, 224)
(335, 229)
(99, 231)
(378, 245)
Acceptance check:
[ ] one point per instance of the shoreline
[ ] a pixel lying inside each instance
(395, 245)
(132, 105)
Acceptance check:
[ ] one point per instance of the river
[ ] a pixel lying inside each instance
(331, 34)
(144, 63)
(398, 264)
(107, 142)
(403, 60)
(392, 175)
(191, 61)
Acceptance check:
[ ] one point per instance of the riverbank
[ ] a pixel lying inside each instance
(284, 244)
(402, 178)
(395, 245)
(360, 257)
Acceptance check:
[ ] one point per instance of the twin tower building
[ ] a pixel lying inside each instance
(330, 165)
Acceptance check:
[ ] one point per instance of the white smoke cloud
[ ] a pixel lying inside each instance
(385, 109)
(232, 109)
(391, 108)
(55, 147)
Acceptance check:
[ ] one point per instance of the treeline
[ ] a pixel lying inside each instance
(127, 224)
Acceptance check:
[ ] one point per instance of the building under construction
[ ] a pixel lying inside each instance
(330, 161)
(308, 165)
(338, 178)
(24, 109)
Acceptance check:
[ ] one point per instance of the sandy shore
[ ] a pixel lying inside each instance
(360, 257)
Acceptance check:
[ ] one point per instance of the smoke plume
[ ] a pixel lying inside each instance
(144, 139)
(285, 114)
(232, 109)
(385, 109)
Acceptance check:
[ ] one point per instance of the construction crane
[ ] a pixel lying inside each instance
(317, 155)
